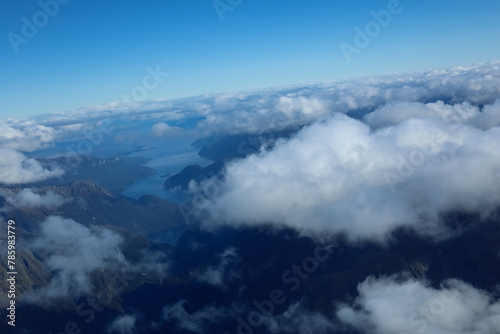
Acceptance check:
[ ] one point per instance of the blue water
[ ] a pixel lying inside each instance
(170, 159)
(134, 138)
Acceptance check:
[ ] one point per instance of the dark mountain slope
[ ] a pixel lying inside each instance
(90, 204)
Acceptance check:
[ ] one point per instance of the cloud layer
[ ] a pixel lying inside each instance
(253, 111)
(396, 112)
(279, 108)
(342, 176)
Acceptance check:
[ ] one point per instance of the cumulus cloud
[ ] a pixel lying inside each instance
(72, 252)
(27, 136)
(252, 114)
(161, 129)
(225, 271)
(489, 117)
(387, 306)
(125, 324)
(16, 168)
(28, 198)
(341, 176)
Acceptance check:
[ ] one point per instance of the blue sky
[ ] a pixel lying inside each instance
(92, 52)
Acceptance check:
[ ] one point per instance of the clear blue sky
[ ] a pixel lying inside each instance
(93, 51)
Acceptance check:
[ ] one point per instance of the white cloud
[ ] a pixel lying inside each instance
(164, 130)
(281, 107)
(27, 136)
(278, 108)
(72, 128)
(339, 176)
(197, 321)
(397, 112)
(489, 117)
(75, 254)
(385, 306)
(27, 198)
(72, 251)
(225, 271)
(125, 324)
(16, 168)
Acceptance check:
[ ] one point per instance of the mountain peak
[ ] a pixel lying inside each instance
(87, 187)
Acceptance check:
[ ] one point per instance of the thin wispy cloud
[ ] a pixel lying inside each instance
(226, 270)
(125, 324)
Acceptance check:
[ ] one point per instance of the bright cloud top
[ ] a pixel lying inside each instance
(16, 168)
(27, 198)
(396, 112)
(341, 176)
(279, 108)
(385, 306)
(164, 130)
(27, 136)
(125, 324)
